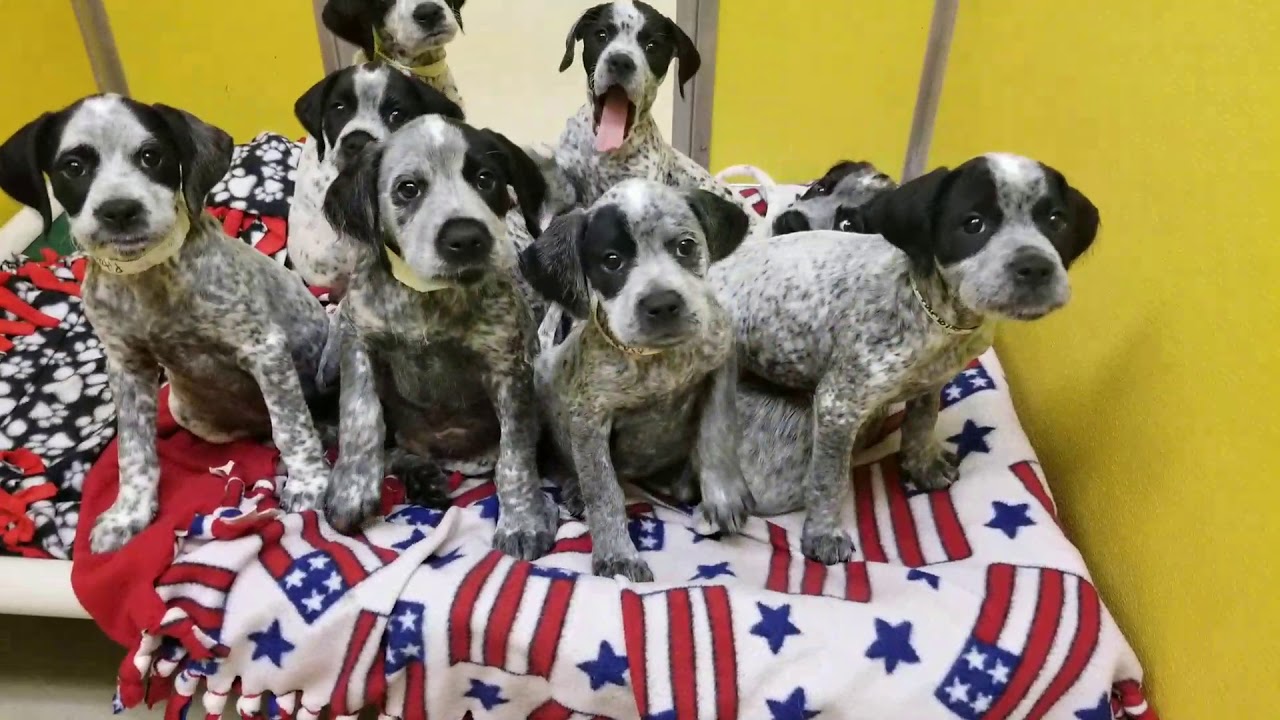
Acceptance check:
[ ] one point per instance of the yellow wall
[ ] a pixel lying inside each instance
(238, 64)
(1152, 398)
(43, 65)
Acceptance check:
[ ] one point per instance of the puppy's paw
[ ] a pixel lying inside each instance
(571, 498)
(302, 494)
(934, 473)
(353, 497)
(115, 527)
(828, 548)
(630, 567)
(424, 483)
(726, 504)
(527, 533)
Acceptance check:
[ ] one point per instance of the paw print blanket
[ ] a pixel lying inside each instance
(966, 603)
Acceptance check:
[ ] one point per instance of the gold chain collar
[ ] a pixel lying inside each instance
(614, 342)
(937, 319)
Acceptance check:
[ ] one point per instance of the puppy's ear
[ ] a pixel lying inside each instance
(523, 175)
(434, 101)
(351, 203)
(309, 109)
(791, 221)
(203, 150)
(22, 166)
(353, 21)
(905, 216)
(1084, 220)
(553, 263)
(576, 33)
(724, 222)
(687, 56)
(456, 7)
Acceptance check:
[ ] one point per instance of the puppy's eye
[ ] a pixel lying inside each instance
(686, 247)
(1057, 220)
(337, 105)
(394, 117)
(72, 168)
(650, 46)
(973, 224)
(485, 181)
(602, 35)
(845, 225)
(150, 158)
(820, 190)
(611, 261)
(407, 190)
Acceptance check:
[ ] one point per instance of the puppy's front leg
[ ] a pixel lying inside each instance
(612, 552)
(527, 524)
(294, 432)
(926, 465)
(355, 486)
(726, 499)
(134, 382)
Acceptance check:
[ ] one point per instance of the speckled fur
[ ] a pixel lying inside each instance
(446, 374)
(847, 185)
(829, 332)
(666, 420)
(237, 336)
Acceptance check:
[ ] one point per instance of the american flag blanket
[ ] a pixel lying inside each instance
(967, 603)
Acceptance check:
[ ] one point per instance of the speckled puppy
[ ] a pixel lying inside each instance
(642, 388)
(627, 48)
(832, 332)
(846, 185)
(436, 337)
(232, 330)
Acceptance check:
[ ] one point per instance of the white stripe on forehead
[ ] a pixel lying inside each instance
(627, 15)
(103, 122)
(369, 84)
(1020, 182)
(430, 141)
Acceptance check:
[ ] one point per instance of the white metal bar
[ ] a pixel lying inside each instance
(929, 96)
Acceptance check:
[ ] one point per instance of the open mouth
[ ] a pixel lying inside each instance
(470, 276)
(614, 116)
(127, 247)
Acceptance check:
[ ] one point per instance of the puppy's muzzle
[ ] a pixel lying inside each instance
(464, 245)
(662, 313)
(1031, 270)
(429, 16)
(351, 146)
(621, 66)
(123, 216)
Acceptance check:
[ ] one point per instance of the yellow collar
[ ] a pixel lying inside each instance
(430, 71)
(614, 342)
(406, 275)
(163, 251)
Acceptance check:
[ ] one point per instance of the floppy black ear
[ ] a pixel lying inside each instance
(434, 101)
(523, 175)
(791, 221)
(309, 109)
(1084, 223)
(687, 56)
(724, 222)
(203, 150)
(553, 263)
(905, 216)
(456, 7)
(22, 166)
(351, 203)
(575, 33)
(353, 21)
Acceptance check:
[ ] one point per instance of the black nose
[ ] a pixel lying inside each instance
(663, 306)
(463, 241)
(355, 142)
(428, 16)
(1031, 267)
(119, 215)
(621, 65)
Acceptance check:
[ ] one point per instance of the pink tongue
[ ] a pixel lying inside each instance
(613, 122)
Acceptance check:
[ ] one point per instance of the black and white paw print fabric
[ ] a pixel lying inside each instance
(55, 403)
(261, 177)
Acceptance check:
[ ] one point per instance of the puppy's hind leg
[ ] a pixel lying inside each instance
(134, 384)
(777, 443)
(424, 482)
(726, 498)
(926, 465)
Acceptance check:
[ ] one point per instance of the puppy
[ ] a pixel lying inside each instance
(833, 332)
(847, 185)
(342, 114)
(436, 339)
(627, 48)
(408, 35)
(642, 388)
(237, 335)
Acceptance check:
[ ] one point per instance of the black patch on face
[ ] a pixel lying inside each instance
(491, 152)
(828, 182)
(1066, 217)
(656, 39)
(71, 175)
(793, 221)
(487, 177)
(340, 104)
(608, 251)
(968, 214)
(157, 158)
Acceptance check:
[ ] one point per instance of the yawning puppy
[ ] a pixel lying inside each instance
(409, 35)
(831, 332)
(642, 388)
(847, 185)
(237, 335)
(342, 114)
(436, 340)
(627, 48)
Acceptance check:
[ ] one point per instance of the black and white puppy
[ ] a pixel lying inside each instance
(409, 35)
(831, 332)
(436, 338)
(627, 49)
(847, 185)
(643, 387)
(343, 113)
(237, 336)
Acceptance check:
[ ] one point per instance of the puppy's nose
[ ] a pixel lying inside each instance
(663, 306)
(355, 142)
(462, 241)
(428, 16)
(1031, 267)
(621, 65)
(119, 214)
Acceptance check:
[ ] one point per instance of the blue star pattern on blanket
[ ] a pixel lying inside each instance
(417, 516)
(710, 572)
(970, 381)
(313, 584)
(439, 561)
(1101, 711)
(893, 645)
(775, 625)
(972, 438)
(271, 644)
(405, 635)
(609, 668)
(490, 696)
(552, 572)
(929, 579)
(648, 533)
(699, 537)
(1009, 519)
(414, 538)
(664, 715)
(977, 678)
(794, 707)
